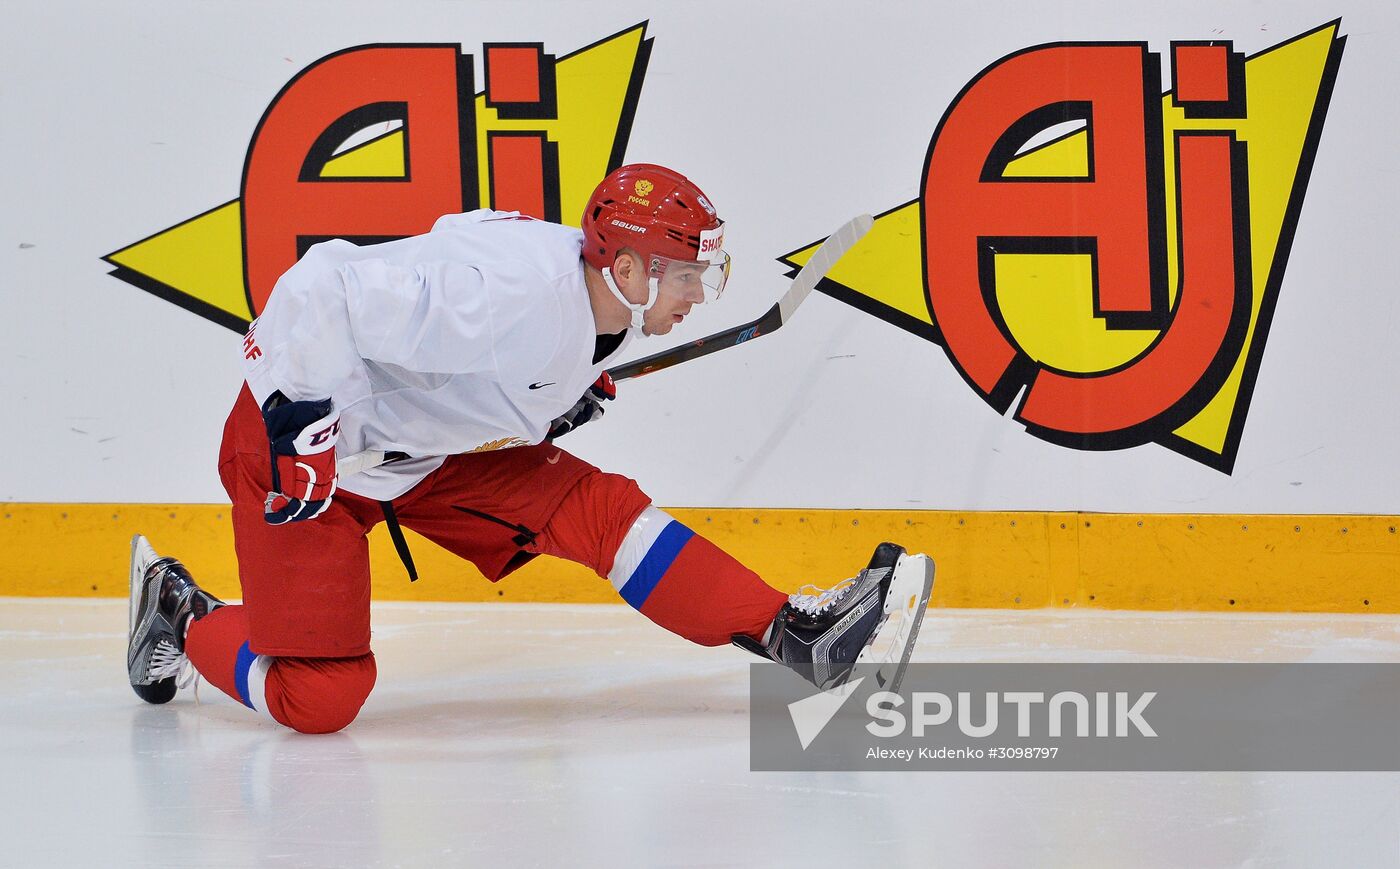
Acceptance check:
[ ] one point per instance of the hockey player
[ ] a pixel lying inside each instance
(467, 349)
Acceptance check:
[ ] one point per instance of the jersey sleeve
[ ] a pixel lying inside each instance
(301, 343)
(324, 319)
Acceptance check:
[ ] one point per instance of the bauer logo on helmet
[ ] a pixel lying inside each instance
(630, 226)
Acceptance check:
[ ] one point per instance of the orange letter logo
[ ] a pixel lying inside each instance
(1096, 258)
(376, 142)
(974, 212)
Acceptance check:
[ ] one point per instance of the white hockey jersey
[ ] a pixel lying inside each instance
(474, 336)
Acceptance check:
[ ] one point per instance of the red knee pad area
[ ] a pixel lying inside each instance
(590, 522)
(319, 695)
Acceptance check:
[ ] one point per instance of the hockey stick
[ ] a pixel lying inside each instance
(816, 268)
(831, 250)
(348, 465)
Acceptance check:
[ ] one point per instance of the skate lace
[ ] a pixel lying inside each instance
(814, 601)
(168, 661)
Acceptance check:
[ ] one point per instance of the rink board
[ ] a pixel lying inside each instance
(1314, 563)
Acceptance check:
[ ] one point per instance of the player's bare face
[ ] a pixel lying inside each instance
(679, 289)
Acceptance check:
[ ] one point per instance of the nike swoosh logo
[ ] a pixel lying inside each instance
(541, 385)
(554, 460)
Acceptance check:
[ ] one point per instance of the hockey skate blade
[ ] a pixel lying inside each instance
(143, 555)
(905, 605)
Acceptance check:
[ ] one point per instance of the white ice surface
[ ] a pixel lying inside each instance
(503, 735)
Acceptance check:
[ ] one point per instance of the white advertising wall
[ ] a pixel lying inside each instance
(124, 121)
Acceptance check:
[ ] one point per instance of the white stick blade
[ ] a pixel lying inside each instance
(836, 246)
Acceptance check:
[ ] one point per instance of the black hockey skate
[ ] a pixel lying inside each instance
(163, 600)
(871, 619)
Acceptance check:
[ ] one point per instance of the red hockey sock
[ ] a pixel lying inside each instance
(704, 594)
(212, 645)
(311, 695)
(676, 578)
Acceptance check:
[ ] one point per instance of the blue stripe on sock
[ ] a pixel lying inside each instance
(655, 563)
(240, 673)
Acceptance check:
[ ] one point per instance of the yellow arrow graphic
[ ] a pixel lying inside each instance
(198, 263)
(1046, 300)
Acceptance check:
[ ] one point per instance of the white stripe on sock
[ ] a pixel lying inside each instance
(257, 683)
(637, 544)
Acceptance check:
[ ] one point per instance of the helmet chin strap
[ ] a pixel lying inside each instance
(638, 311)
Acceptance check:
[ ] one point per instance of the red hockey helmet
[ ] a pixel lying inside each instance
(660, 215)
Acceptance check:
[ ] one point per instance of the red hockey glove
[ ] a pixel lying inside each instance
(302, 436)
(586, 409)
